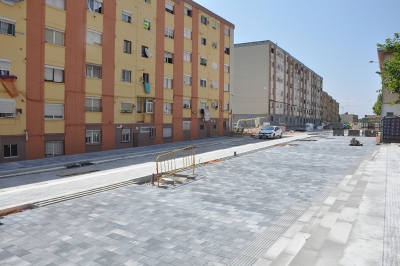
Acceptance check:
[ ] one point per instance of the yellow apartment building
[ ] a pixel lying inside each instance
(94, 75)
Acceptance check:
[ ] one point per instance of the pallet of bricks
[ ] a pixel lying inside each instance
(338, 129)
(370, 133)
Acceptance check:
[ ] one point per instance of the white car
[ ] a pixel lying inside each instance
(270, 132)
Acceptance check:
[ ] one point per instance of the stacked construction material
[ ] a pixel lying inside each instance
(354, 132)
(371, 133)
(338, 129)
(354, 142)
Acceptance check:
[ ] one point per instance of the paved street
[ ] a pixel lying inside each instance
(307, 201)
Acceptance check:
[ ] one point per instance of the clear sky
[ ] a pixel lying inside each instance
(334, 38)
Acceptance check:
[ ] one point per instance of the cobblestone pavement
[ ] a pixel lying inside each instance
(206, 222)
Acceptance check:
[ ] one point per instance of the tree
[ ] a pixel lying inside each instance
(390, 69)
(377, 108)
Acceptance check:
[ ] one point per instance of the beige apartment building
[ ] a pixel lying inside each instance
(92, 75)
(271, 83)
(330, 109)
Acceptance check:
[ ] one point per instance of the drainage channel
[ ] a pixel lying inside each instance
(86, 193)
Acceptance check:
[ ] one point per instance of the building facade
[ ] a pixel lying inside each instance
(349, 118)
(270, 83)
(387, 97)
(94, 75)
(330, 109)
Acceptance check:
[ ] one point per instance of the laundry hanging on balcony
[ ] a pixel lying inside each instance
(147, 87)
(8, 82)
(207, 114)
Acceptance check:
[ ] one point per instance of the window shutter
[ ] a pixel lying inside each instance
(54, 110)
(48, 73)
(4, 65)
(58, 75)
(7, 106)
(59, 39)
(169, 6)
(89, 37)
(49, 35)
(60, 4)
(126, 106)
(96, 103)
(97, 38)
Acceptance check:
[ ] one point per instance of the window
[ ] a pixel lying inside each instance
(167, 132)
(7, 26)
(5, 67)
(203, 20)
(168, 57)
(203, 41)
(93, 105)
(53, 111)
(226, 106)
(148, 107)
(93, 136)
(215, 65)
(226, 50)
(10, 150)
(186, 103)
(214, 45)
(93, 71)
(126, 75)
(203, 83)
(214, 105)
(187, 80)
(126, 135)
(56, 3)
(187, 125)
(187, 56)
(187, 11)
(146, 52)
(54, 148)
(152, 132)
(169, 8)
(214, 126)
(203, 61)
(53, 74)
(54, 36)
(225, 125)
(226, 68)
(187, 34)
(147, 24)
(96, 5)
(146, 78)
(201, 127)
(93, 37)
(126, 16)
(214, 24)
(168, 108)
(126, 107)
(226, 87)
(127, 47)
(203, 105)
(144, 130)
(214, 84)
(226, 31)
(7, 108)
(169, 33)
(167, 83)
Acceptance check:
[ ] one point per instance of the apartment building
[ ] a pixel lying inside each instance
(387, 97)
(349, 118)
(94, 75)
(271, 83)
(330, 109)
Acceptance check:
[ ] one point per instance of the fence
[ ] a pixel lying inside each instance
(170, 163)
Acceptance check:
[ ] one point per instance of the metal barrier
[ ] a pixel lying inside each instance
(173, 162)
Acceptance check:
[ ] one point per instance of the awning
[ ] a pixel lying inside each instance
(9, 85)
(147, 87)
(147, 51)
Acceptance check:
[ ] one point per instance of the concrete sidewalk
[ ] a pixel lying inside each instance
(358, 224)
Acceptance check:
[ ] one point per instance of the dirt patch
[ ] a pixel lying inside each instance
(213, 161)
(10, 213)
